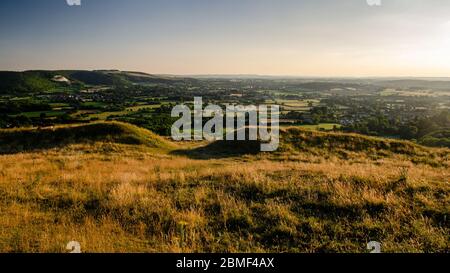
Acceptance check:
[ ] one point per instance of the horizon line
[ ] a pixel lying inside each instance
(194, 75)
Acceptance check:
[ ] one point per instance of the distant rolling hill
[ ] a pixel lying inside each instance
(416, 84)
(40, 80)
(26, 82)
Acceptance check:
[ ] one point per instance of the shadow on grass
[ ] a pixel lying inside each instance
(222, 149)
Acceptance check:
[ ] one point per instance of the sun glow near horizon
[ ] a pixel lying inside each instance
(298, 38)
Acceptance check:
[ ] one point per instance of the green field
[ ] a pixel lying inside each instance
(38, 114)
(93, 104)
(294, 105)
(59, 105)
(144, 107)
(322, 126)
(128, 110)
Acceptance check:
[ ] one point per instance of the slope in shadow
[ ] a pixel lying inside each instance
(222, 149)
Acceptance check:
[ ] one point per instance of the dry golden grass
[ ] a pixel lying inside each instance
(134, 198)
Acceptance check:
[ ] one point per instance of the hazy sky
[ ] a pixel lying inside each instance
(270, 37)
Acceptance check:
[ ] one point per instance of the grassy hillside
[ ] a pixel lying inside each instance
(320, 192)
(25, 82)
(348, 146)
(19, 140)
